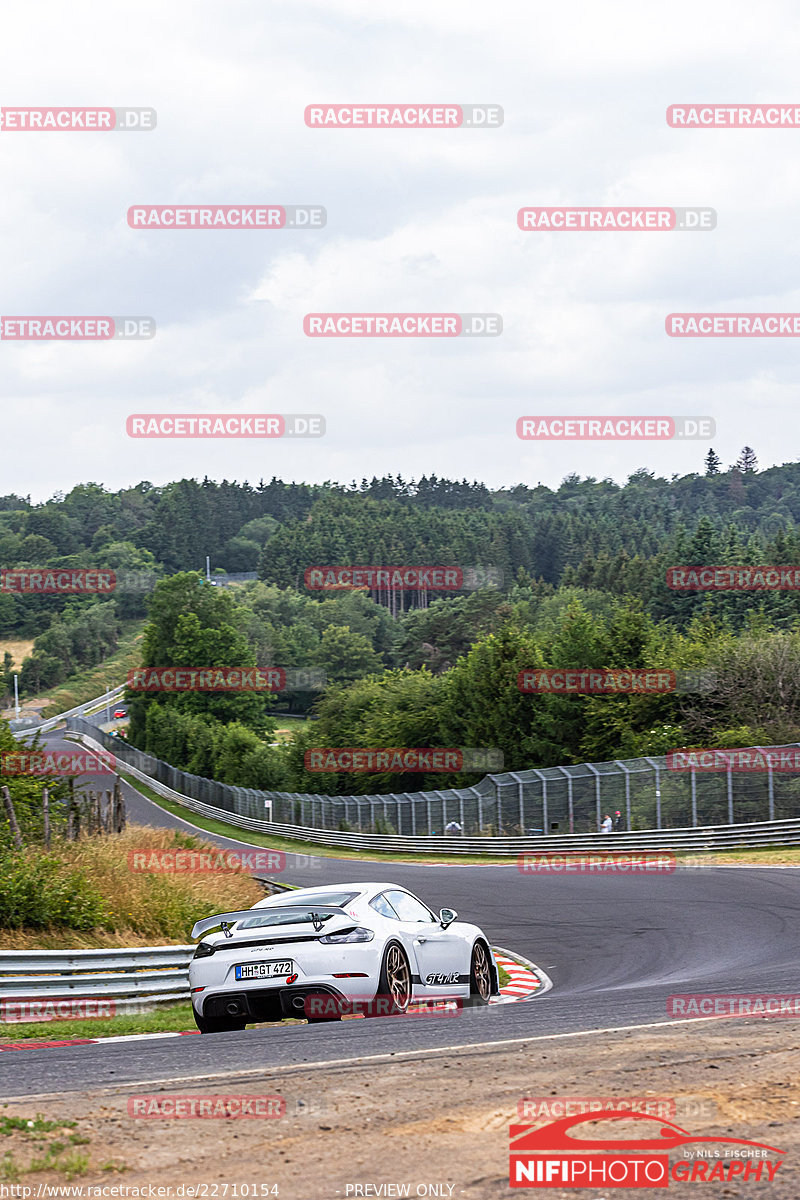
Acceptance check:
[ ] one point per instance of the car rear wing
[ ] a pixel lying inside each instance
(230, 918)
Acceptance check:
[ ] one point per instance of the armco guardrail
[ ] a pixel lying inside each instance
(150, 975)
(24, 729)
(685, 840)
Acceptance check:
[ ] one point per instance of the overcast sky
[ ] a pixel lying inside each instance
(418, 220)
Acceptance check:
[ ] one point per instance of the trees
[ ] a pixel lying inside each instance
(747, 462)
(194, 625)
(712, 462)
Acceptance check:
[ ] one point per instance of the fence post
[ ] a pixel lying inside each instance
(12, 818)
(494, 779)
(729, 773)
(480, 808)
(598, 801)
(521, 789)
(46, 816)
(657, 770)
(770, 785)
(694, 798)
(570, 806)
(120, 816)
(622, 767)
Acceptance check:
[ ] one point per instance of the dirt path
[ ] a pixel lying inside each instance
(443, 1119)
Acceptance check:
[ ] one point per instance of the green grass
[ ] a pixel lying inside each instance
(36, 1151)
(31, 1126)
(504, 976)
(767, 856)
(167, 1018)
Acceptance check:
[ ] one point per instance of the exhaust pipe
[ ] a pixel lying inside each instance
(233, 1008)
(298, 1002)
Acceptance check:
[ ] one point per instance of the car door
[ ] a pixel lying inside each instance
(442, 956)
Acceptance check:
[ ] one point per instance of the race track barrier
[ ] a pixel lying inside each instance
(139, 976)
(681, 839)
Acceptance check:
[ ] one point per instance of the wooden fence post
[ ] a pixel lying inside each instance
(12, 818)
(119, 807)
(46, 816)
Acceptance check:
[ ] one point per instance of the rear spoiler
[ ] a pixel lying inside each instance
(230, 918)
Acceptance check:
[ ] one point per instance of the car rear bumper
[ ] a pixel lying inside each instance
(264, 1003)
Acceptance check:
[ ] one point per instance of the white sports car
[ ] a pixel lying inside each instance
(324, 951)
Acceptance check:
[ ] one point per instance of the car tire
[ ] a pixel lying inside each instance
(218, 1024)
(394, 982)
(480, 975)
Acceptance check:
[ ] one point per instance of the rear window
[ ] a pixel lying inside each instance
(300, 915)
(338, 899)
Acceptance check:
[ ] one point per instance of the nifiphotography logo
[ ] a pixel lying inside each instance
(553, 1156)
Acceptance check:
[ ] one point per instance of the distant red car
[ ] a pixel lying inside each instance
(119, 712)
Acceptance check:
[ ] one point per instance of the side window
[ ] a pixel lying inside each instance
(408, 908)
(382, 906)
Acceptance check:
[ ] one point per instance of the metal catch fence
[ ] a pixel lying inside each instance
(554, 801)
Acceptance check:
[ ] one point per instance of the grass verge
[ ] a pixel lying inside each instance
(129, 884)
(166, 1018)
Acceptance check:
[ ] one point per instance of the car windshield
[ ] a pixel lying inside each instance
(287, 916)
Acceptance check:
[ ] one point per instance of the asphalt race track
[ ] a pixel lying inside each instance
(614, 947)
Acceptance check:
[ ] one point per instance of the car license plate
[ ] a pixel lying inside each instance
(264, 970)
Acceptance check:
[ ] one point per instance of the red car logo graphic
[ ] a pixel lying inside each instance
(553, 1156)
(555, 1137)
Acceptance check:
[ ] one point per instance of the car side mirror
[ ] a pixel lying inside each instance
(447, 916)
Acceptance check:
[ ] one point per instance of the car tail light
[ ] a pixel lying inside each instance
(359, 934)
